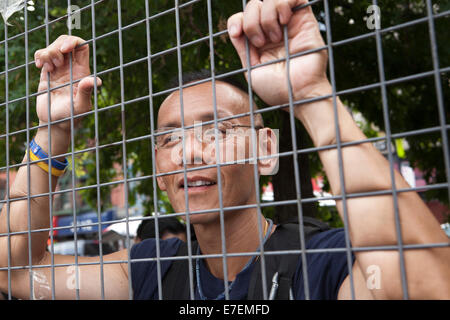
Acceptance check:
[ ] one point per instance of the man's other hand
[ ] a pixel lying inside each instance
(263, 24)
(54, 60)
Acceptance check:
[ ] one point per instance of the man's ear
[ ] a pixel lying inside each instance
(268, 149)
(159, 180)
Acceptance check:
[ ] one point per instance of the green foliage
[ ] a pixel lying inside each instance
(412, 104)
(331, 216)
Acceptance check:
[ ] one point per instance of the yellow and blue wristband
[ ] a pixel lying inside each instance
(37, 154)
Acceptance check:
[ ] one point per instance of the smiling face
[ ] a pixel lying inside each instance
(238, 187)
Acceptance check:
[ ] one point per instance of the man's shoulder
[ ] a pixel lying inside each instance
(144, 266)
(317, 234)
(332, 238)
(327, 268)
(148, 248)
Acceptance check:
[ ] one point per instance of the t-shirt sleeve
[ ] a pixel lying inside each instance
(144, 275)
(326, 270)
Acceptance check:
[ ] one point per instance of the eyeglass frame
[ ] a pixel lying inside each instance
(165, 130)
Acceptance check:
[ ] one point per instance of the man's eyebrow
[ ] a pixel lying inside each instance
(170, 125)
(208, 116)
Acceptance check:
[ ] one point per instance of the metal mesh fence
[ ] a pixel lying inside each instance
(112, 152)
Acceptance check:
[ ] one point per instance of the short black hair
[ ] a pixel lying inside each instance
(194, 76)
(146, 228)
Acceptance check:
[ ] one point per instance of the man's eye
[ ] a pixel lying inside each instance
(171, 139)
(211, 134)
(222, 129)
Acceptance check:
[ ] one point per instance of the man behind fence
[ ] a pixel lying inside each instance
(371, 220)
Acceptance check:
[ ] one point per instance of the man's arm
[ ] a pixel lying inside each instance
(54, 59)
(371, 219)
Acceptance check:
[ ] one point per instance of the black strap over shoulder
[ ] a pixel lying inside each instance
(285, 237)
(175, 285)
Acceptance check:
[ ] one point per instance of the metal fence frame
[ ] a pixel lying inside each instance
(330, 45)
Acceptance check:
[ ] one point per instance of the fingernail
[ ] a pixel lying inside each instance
(38, 63)
(232, 30)
(65, 45)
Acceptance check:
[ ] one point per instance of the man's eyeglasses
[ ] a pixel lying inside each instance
(169, 137)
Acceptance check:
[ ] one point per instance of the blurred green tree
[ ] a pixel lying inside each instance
(125, 107)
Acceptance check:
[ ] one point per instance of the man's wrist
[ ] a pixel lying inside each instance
(318, 117)
(312, 98)
(59, 140)
(317, 92)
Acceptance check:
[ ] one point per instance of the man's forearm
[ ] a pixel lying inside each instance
(365, 169)
(372, 218)
(38, 206)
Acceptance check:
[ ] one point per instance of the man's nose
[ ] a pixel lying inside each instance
(194, 148)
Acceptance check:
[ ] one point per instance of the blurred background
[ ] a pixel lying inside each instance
(106, 205)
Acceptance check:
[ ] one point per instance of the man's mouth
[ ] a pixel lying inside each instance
(200, 183)
(197, 184)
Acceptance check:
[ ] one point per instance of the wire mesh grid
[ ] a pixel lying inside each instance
(150, 95)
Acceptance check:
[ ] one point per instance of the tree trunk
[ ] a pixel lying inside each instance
(284, 181)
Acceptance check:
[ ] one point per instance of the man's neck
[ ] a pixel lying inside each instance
(241, 234)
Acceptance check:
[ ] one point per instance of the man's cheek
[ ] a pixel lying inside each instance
(238, 150)
(209, 153)
(177, 201)
(176, 155)
(171, 187)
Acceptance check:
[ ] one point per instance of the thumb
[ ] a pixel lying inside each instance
(84, 93)
(237, 37)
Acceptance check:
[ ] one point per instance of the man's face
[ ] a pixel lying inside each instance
(237, 180)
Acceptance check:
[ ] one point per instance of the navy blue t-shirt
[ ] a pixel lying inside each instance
(326, 270)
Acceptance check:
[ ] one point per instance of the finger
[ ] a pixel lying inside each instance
(284, 10)
(79, 47)
(56, 57)
(43, 81)
(252, 25)
(48, 67)
(43, 59)
(37, 60)
(269, 21)
(50, 55)
(234, 25)
(237, 37)
(71, 43)
(84, 93)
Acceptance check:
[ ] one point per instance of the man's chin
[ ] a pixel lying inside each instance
(196, 217)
